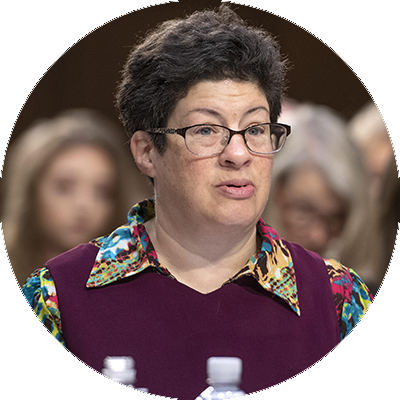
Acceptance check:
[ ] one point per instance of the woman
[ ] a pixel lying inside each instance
(64, 184)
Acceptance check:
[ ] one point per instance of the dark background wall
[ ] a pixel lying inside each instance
(87, 74)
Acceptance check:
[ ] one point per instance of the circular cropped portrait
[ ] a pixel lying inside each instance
(199, 200)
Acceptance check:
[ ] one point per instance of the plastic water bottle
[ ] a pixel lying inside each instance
(121, 370)
(223, 377)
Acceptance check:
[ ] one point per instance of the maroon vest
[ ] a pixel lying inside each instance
(170, 330)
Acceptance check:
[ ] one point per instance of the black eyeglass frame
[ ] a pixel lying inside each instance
(182, 132)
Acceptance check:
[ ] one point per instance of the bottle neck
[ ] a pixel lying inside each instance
(226, 385)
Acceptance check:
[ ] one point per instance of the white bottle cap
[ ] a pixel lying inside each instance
(120, 369)
(223, 370)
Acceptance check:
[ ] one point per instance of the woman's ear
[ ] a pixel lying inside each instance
(142, 149)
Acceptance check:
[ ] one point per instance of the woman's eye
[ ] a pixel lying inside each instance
(204, 130)
(63, 187)
(255, 130)
(103, 192)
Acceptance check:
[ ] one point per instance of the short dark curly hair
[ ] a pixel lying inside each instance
(207, 45)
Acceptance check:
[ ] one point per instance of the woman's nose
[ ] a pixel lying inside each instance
(236, 154)
(84, 201)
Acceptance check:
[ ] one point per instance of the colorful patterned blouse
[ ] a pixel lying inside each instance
(129, 251)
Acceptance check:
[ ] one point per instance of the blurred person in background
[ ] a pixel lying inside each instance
(66, 182)
(319, 198)
(382, 236)
(369, 132)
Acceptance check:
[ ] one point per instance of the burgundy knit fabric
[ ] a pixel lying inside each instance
(170, 330)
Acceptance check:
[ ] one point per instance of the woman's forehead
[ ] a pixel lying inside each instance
(221, 99)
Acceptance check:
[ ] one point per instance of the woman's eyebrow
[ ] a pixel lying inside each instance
(255, 109)
(214, 113)
(203, 110)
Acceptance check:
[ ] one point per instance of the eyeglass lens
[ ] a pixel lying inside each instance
(212, 139)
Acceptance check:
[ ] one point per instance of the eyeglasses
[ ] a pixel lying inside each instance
(301, 215)
(210, 139)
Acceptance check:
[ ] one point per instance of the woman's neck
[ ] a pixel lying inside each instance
(202, 260)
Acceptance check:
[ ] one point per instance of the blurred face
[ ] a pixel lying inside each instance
(311, 213)
(74, 196)
(228, 189)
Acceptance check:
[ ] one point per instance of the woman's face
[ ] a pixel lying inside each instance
(75, 196)
(311, 213)
(227, 189)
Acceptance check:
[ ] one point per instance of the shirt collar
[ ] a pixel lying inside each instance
(128, 251)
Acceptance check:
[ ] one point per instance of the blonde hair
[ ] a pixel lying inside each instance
(368, 124)
(30, 155)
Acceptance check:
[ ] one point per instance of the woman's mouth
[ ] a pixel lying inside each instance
(238, 189)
